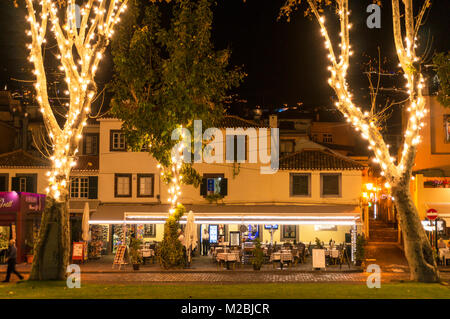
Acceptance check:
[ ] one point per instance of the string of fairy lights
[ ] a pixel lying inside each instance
(364, 122)
(173, 172)
(80, 51)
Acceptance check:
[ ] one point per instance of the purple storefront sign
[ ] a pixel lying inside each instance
(10, 201)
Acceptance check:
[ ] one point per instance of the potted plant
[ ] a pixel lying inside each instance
(135, 254)
(30, 254)
(258, 255)
(319, 244)
(360, 253)
(214, 198)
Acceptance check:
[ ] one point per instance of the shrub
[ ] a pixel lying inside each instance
(258, 254)
(360, 249)
(171, 250)
(135, 255)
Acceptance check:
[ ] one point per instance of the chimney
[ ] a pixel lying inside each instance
(273, 121)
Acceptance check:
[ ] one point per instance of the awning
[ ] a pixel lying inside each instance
(232, 214)
(77, 206)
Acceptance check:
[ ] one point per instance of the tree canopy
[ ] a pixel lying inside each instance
(442, 67)
(167, 73)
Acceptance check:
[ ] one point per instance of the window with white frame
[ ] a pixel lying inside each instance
(239, 147)
(79, 187)
(22, 184)
(122, 185)
(117, 142)
(145, 185)
(90, 146)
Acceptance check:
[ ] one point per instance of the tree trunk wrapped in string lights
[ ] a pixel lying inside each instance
(418, 250)
(80, 51)
(171, 251)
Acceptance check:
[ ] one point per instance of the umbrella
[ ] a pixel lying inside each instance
(190, 234)
(85, 223)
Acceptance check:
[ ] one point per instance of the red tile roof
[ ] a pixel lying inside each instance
(21, 158)
(233, 121)
(317, 159)
(86, 163)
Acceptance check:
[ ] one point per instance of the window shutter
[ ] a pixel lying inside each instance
(96, 147)
(85, 137)
(229, 149)
(224, 187)
(3, 183)
(93, 187)
(111, 141)
(31, 184)
(246, 143)
(203, 187)
(15, 184)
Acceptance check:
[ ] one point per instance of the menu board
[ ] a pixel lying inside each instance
(235, 238)
(78, 251)
(318, 258)
(119, 258)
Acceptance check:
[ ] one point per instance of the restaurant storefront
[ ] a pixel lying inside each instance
(20, 218)
(233, 224)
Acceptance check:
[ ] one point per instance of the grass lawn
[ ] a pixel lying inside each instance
(56, 290)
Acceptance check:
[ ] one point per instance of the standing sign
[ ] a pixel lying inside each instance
(318, 258)
(119, 258)
(78, 251)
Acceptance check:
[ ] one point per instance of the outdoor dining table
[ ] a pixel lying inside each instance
(284, 256)
(147, 253)
(333, 254)
(228, 258)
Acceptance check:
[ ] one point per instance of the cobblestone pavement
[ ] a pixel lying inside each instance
(236, 277)
(250, 277)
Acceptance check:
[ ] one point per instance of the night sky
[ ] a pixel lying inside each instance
(285, 61)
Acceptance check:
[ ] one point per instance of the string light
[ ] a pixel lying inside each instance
(173, 175)
(68, 38)
(361, 121)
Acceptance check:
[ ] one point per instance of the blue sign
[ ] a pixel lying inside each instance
(271, 226)
(253, 232)
(213, 234)
(210, 184)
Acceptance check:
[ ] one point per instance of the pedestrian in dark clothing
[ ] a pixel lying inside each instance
(205, 242)
(12, 255)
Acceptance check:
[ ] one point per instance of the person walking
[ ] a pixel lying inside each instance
(12, 255)
(205, 242)
(182, 241)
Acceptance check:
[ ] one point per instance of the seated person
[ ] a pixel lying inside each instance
(441, 243)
